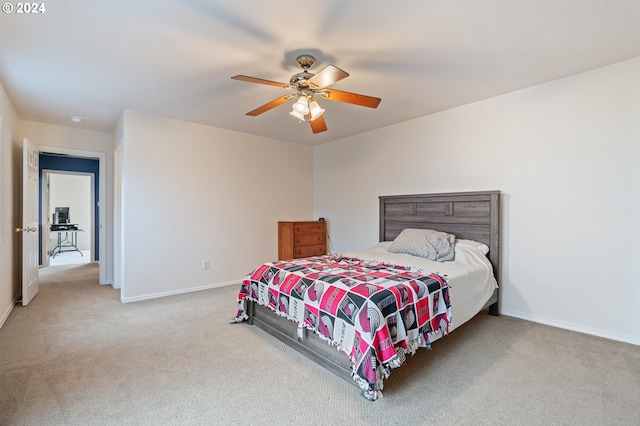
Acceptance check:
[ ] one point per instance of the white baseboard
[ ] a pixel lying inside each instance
(573, 327)
(6, 314)
(173, 293)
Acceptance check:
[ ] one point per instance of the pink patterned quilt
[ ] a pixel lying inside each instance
(374, 312)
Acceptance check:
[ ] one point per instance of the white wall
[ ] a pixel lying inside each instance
(10, 157)
(566, 155)
(193, 193)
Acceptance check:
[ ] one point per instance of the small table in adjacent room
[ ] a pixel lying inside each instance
(68, 241)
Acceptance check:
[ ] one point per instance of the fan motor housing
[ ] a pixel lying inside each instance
(300, 79)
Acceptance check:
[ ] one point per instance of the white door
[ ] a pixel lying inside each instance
(29, 230)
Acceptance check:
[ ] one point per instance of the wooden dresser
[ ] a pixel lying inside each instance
(301, 239)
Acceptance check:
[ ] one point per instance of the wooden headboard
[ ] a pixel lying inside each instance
(467, 215)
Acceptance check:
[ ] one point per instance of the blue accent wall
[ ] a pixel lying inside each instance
(73, 164)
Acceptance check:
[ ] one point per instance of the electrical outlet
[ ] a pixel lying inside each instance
(205, 264)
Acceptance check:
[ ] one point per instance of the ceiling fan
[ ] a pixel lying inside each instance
(307, 87)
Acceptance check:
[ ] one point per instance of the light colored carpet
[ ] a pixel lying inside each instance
(77, 356)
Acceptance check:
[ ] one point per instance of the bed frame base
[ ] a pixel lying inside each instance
(311, 346)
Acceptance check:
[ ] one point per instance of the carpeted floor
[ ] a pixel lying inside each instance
(77, 356)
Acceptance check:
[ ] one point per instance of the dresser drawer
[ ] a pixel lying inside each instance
(307, 251)
(308, 240)
(308, 228)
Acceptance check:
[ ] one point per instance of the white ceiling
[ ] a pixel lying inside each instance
(95, 58)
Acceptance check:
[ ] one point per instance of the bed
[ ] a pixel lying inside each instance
(372, 293)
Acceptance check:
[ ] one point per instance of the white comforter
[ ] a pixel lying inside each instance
(470, 275)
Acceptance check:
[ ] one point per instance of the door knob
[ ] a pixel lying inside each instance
(26, 229)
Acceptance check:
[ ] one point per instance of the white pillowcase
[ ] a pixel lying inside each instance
(427, 243)
(483, 248)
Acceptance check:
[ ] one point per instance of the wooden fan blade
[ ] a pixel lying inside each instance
(266, 107)
(318, 125)
(350, 98)
(259, 81)
(327, 76)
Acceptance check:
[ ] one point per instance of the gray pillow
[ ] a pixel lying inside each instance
(427, 243)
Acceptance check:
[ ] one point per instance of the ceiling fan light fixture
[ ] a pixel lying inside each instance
(315, 110)
(297, 115)
(301, 106)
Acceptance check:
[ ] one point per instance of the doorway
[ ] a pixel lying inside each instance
(67, 164)
(68, 230)
(98, 168)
